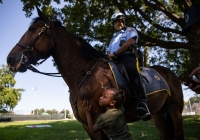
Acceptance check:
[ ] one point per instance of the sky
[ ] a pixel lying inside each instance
(52, 92)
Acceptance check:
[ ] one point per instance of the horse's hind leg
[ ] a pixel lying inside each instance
(160, 122)
(95, 136)
(178, 129)
(176, 115)
(174, 105)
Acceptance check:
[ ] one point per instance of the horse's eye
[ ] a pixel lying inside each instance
(32, 29)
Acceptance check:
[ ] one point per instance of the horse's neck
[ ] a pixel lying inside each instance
(69, 59)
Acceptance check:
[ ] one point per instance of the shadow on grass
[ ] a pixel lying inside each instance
(144, 130)
(73, 130)
(60, 130)
(191, 126)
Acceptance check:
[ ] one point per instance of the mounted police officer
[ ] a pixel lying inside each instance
(119, 49)
(192, 19)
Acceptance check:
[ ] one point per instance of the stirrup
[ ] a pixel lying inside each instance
(143, 111)
(145, 117)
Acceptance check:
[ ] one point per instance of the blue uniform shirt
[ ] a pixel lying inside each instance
(121, 35)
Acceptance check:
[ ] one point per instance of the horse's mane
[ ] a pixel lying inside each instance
(36, 19)
(86, 49)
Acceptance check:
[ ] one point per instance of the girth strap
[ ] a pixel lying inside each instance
(80, 84)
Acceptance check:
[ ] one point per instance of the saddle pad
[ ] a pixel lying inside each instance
(120, 81)
(153, 81)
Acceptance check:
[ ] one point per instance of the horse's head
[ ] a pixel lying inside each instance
(34, 45)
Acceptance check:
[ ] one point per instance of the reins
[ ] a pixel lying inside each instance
(33, 69)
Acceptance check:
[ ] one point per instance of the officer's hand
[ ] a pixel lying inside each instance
(111, 56)
(195, 72)
(195, 88)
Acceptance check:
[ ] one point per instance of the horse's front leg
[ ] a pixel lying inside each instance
(95, 136)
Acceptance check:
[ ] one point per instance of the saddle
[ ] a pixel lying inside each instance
(152, 80)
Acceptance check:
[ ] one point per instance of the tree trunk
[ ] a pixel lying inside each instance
(146, 56)
(194, 50)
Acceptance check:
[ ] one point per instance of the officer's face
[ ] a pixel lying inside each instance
(196, 27)
(118, 24)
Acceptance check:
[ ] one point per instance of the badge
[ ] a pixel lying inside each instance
(157, 77)
(130, 29)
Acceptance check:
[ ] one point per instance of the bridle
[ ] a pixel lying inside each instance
(29, 48)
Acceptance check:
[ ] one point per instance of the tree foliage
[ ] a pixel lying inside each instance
(53, 111)
(195, 99)
(67, 113)
(158, 22)
(9, 96)
(42, 110)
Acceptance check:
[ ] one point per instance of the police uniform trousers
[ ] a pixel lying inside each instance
(132, 67)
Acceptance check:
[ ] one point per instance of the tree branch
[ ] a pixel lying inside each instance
(158, 6)
(163, 44)
(146, 17)
(116, 3)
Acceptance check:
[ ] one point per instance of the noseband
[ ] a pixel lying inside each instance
(29, 48)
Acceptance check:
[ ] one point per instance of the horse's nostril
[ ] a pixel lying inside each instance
(8, 60)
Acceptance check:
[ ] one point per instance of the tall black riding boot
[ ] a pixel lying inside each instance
(142, 108)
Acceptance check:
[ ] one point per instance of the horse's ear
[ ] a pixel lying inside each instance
(41, 15)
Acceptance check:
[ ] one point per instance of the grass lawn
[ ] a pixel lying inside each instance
(72, 130)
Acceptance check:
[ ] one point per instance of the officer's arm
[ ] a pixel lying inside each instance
(126, 45)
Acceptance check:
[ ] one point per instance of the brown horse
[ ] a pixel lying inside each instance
(86, 75)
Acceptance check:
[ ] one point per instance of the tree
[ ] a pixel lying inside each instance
(48, 111)
(67, 113)
(41, 111)
(53, 111)
(195, 99)
(9, 96)
(35, 112)
(158, 22)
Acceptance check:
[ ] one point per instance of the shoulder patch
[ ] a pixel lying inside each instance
(130, 29)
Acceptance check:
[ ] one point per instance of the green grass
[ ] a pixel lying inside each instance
(191, 126)
(60, 130)
(144, 130)
(73, 130)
